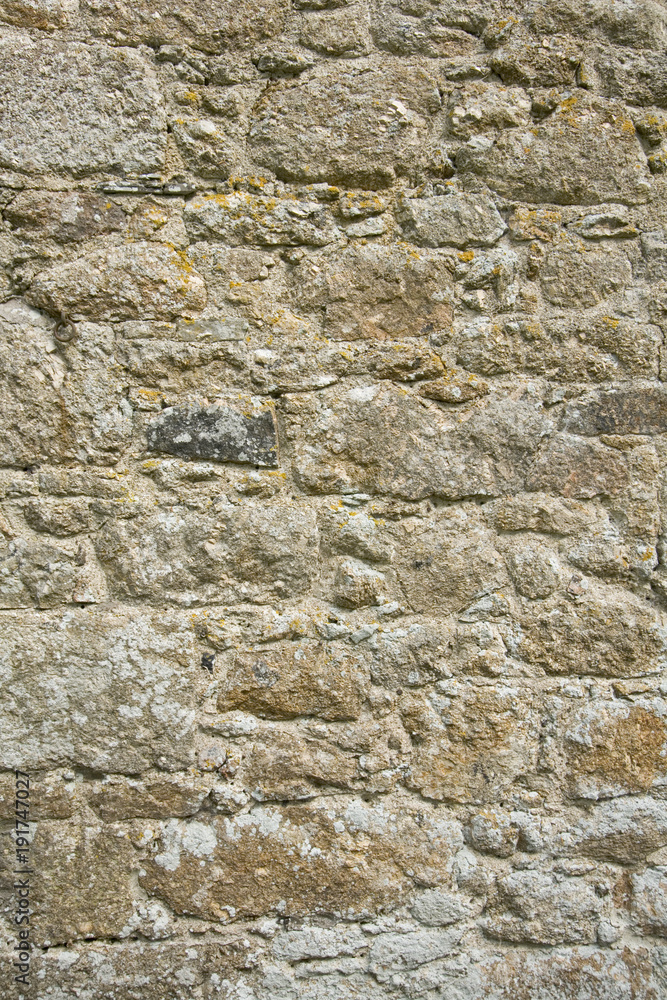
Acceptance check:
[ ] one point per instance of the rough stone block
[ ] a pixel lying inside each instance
(345, 126)
(145, 280)
(116, 124)
(456, 220)
(376, 293)
(115, 687)
(616, 749)
(298, 854)
(301, 679)
(221, 433)
(240, 218)
(585, 152)
(245, 552)
(211, 29)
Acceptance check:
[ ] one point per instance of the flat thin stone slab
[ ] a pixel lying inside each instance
(217, 432)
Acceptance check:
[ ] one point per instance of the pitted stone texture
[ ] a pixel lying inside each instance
(455, 219)
(376, 293)
(585, 152)
(136, 970)
(63, 216)
(544, 910)
(76, 897)
(352, 126)
(116, 689)
(301, 679)
(355, 444)
(473, 744)
(146, 280)
(209, 28)
(239, 219)
(617, 748)
(42, 14)
(221, 433)
(118, 126)
(244, 552)
(55, 411)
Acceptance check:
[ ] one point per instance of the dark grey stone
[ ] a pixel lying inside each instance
(621, 411)
(214, 432)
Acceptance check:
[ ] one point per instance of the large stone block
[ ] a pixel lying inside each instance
(616, 748)
(243, 552)
(85, 881)
(381, 440)
(620, 411)
(536, 908)
(63, 216)
(360, 127)
(375, 293)
(482, 739)
(111, 691)
(284, 681)
(456, 220)
(240, 218)
(54, 409)
(337, 855)
(147, 280)
(210, 28)
(609, 632)
(585, 152)
(106, 102)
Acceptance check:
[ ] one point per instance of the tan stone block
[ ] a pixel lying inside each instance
(337, 854)
(309, 678)
(616, 749)
(486, 738)
(84, 889)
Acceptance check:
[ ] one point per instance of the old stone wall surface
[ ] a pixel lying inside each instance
(333, 499)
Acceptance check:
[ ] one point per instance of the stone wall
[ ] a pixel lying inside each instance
(332, 489)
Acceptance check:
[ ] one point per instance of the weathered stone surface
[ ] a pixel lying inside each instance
(455, 220)
(377, 293)
(54, 411)
(141, 279)
(371, 125)
(623, 830)
(370, 456)
(616, 749)
(116, 690)
(615, 635)
(222, 433)
(207, 28)
(246, 552)
(304, 679)
(584, 152)
(649, 902)
(577, 274)
(43, 14)
(484, 740)
(155, 796)
(76, 897)
(640, 411)
(306, 849)
(119, 126)
(238, 219)
(64, 217)
(332, 498)
(542, 910)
